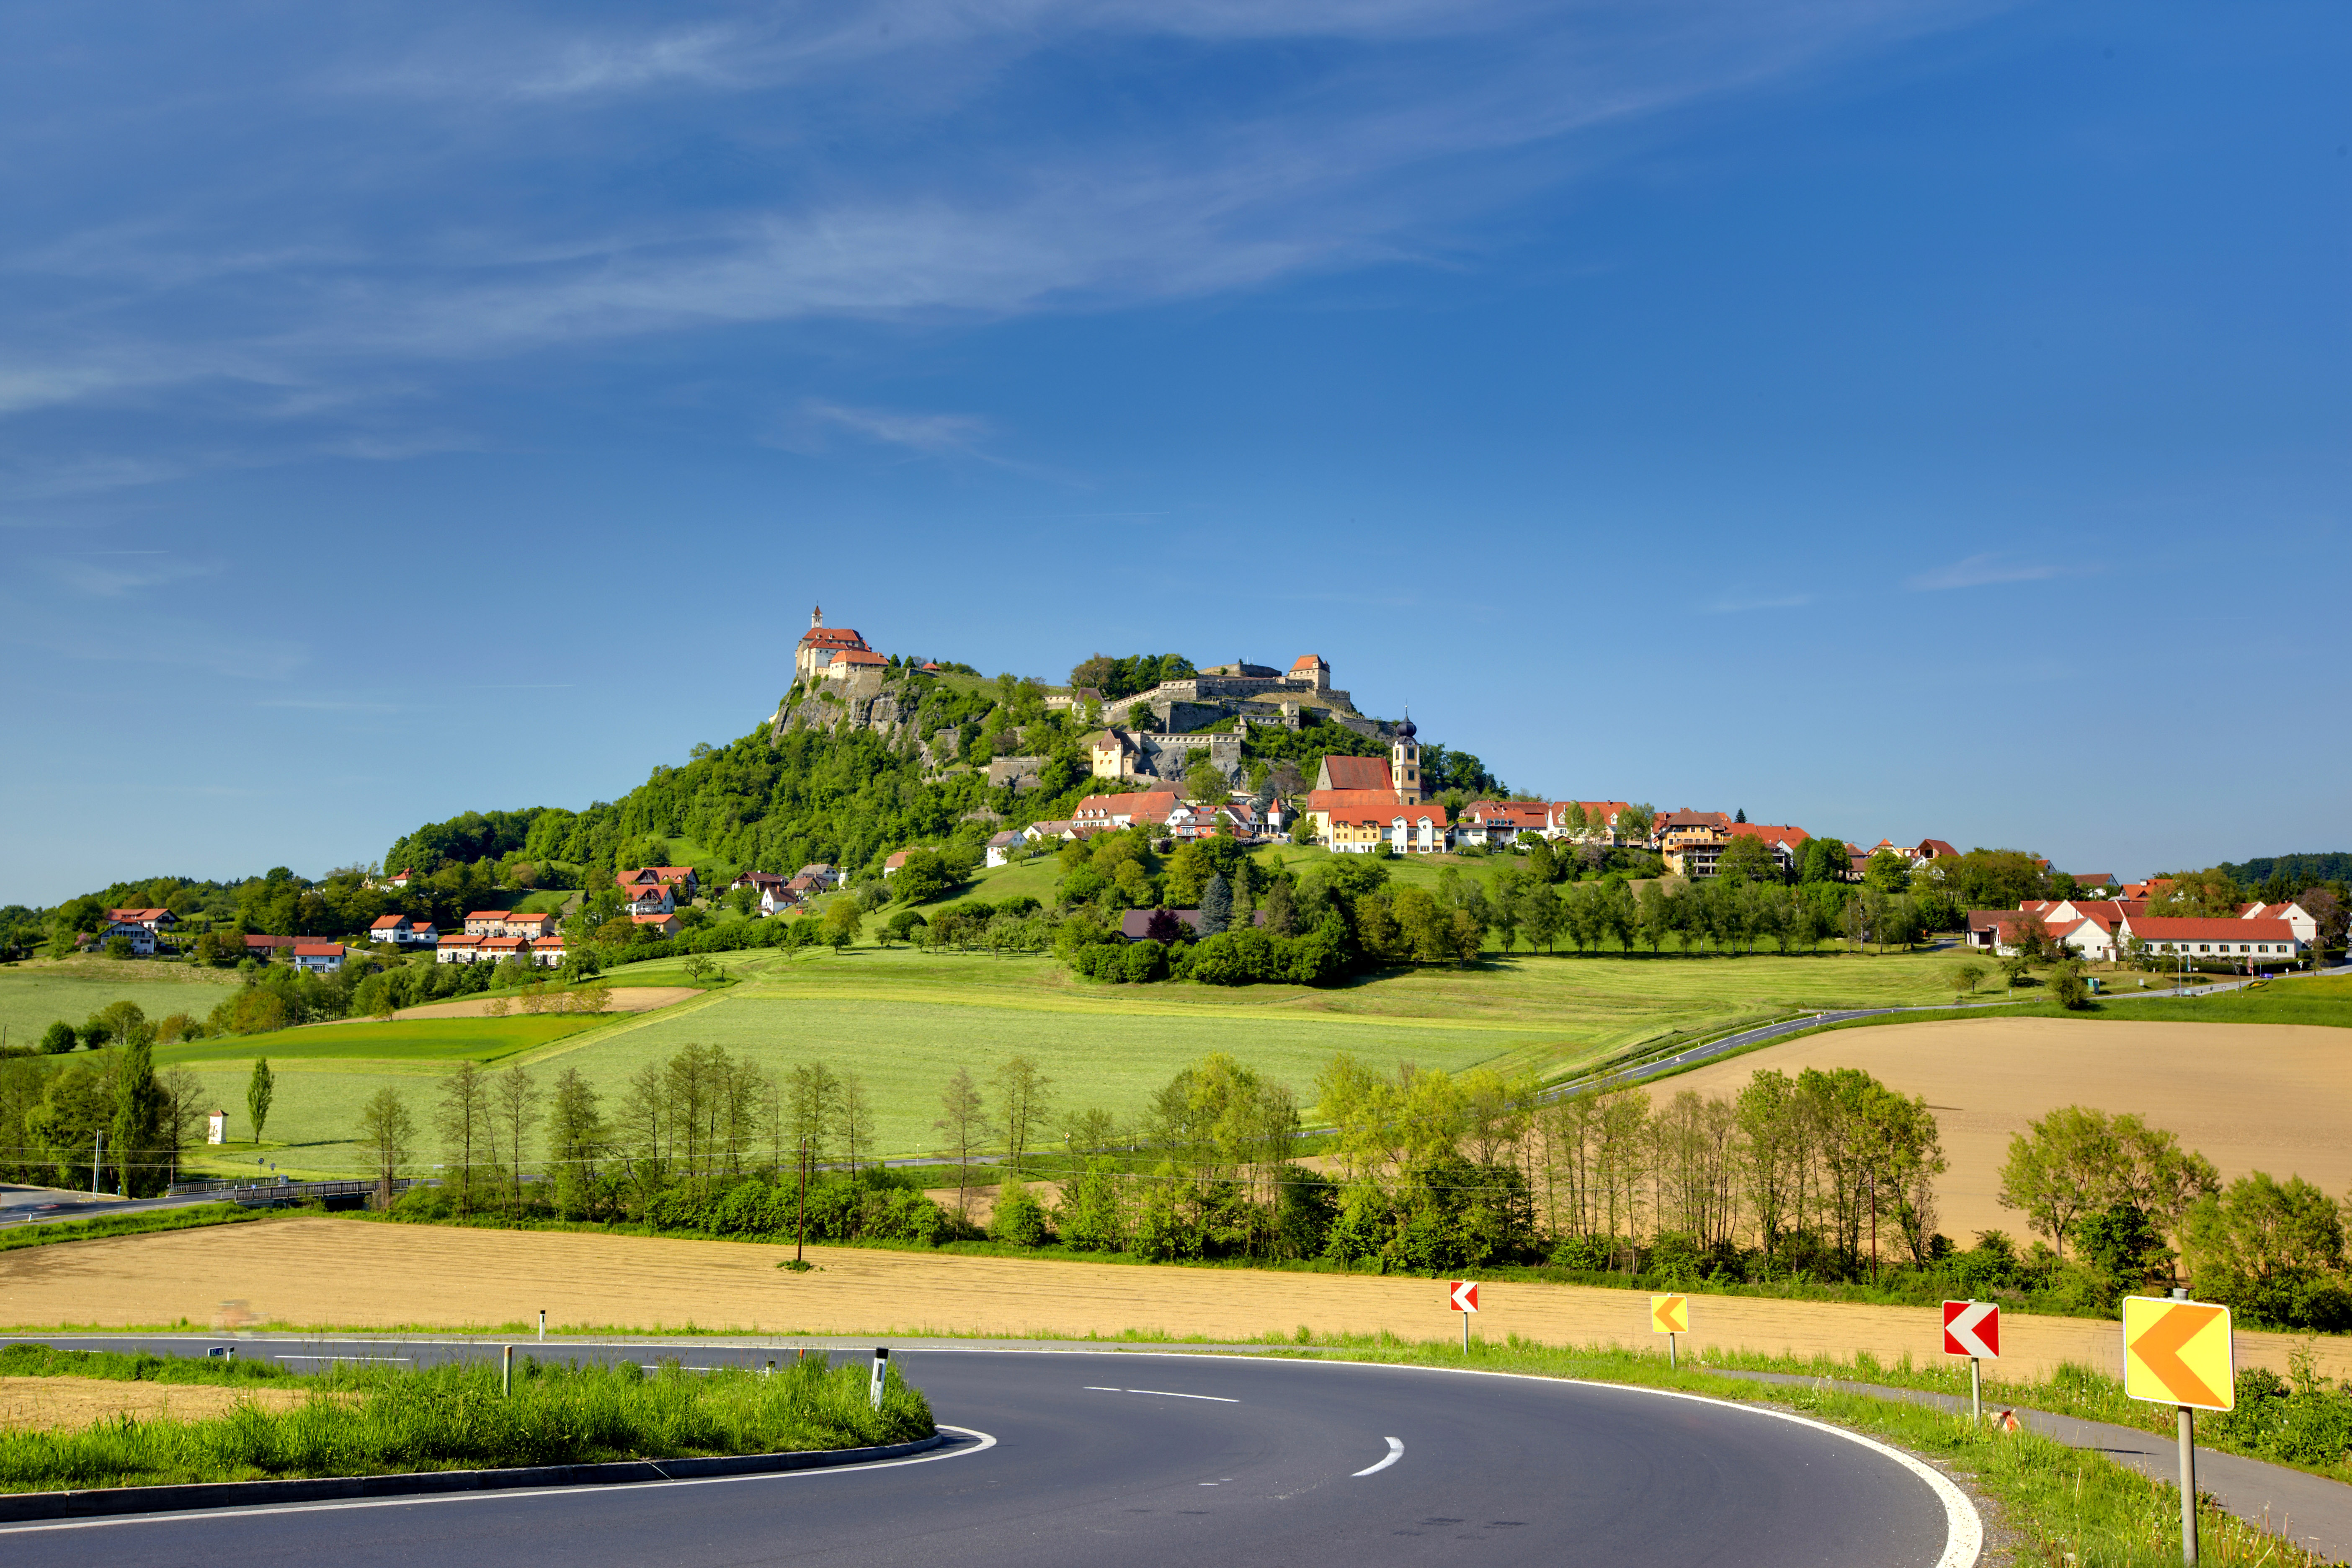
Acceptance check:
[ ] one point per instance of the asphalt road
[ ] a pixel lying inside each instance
(1083, 1458)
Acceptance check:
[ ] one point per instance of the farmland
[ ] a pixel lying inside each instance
(38, 992)
(906, 1019)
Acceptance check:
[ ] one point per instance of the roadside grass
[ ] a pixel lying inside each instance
(195, 1216)
(2073, 1507)
(368, 1420)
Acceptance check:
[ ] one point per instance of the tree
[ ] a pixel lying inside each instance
(1887, 872)
(514, 1108)
(1205, 782)
(575, 1139)
(1964, 976)
(966, 1126)
(857, 1118)
(812, 1108)
(1217, 906)
(1022, 1103)
(1745, 859)
(386, 1131)
(843, 921)
(462, 1121)
(2068, 987)
(184, 1112)
(137, 1135)
(259, 1089)
(58, 1038)
(2061, 1169)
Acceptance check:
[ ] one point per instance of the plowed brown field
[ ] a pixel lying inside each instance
(2249, 1096)
(356, 1274)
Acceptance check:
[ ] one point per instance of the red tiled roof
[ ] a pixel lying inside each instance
(270, 942)
(858, 655)
(459, 939)
(2187, 929)
(318, 950)
(644, 919)
(487, 915)
(390, 922)
(1384, 810)
(1360, 772)
(1771, 833)
(1936, 849)
(503, 943)
(830, 636)
(1307, 661)
(1508, 813)
(1148, 806)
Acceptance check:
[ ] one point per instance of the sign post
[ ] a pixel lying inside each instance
(881, 1369)
(1972, 1328)
(1462, 1296)
(1670, 1316)
(2179, 1352)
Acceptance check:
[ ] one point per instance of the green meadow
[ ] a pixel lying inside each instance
(37, 993)
(905, 1019)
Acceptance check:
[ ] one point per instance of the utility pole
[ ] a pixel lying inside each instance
(97, 1157)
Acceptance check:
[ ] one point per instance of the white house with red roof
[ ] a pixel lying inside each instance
(458, 947)
(319, 957)
(1097, 812)
(2302, 921)
(660, 925)
(1363, 822)
(1501, 822)
(486, 922)
(1786, 841)
(680, 879)
(654, 898)
(404, 932)
(1929, 850)
(2250, 942)
(532, 928)
(143, 928)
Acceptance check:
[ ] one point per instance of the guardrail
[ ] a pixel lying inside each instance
(280, 1191)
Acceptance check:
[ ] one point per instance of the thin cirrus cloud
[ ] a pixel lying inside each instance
(907, 163)
(1981, 571)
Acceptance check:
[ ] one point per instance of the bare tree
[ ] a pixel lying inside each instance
(812, 1102)
(514, 1107)
(463, 1122)
(856, 1116)
(1022, 1102)
(966, 1125)
(184, 1112)
(386, 1132)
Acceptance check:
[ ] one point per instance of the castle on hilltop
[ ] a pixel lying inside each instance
(832, 653)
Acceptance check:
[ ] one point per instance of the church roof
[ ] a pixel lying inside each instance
(1357, 773)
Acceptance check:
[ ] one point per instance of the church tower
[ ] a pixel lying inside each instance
(817, 617)
(1404, 763)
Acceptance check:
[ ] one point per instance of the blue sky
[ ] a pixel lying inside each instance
(1897, 419)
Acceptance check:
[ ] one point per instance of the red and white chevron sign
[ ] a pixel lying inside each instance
(1972, 1328)
(1462, 1295)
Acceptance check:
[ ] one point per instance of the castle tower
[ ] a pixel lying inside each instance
(817, 617)
(1405, 761)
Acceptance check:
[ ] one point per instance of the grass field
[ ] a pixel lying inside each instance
(905, 1019)
(38, 992)
(2323, 999)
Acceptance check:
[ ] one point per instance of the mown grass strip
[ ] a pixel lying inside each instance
(195, 1216)
(379, 1421)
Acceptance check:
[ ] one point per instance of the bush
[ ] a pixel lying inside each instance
(1142, 963)
(1020, 1218)
(2068, 987)
(58, 1038)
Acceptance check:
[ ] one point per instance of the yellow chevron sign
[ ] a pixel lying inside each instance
(1670, 1314)
(2179, 1352)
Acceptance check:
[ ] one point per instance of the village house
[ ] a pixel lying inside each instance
(458, 947)
(898, 860)
(266, 948)
(1097, 812)
(532, 928)
(1497, 823)
(1785, 841)
(664, 925)
(2250, 942)
(759, 881)
(681, 880)
(823, 875)
(1061, 830)
(2302, 921)
(319, 957)
(650, 898)
(1367, 821)
(404, 932)
(486, 922)
(493, 948)
(143, 928)
(405, 876)
(1001, 847)
(1601, 819)
(776, 900)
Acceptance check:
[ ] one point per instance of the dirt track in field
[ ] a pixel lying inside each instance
(69, 1404)
(2249, 1096)
(626, 999)
(324, 1272)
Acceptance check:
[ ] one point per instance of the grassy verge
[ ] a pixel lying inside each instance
(2080, 1508)
(194, 1217)
(374, 1421)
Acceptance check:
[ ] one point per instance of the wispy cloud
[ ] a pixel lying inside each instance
(1736, 605)
(934, 435)
(1981, 571)
(115, 573)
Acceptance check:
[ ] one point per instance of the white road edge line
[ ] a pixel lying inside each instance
(1396, 1452)
(983, 1443)
(1168, 1394)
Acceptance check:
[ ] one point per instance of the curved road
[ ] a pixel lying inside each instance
(1081, 1458)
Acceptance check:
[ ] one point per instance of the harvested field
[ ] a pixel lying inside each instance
(2249, 1096)
(69, 1404)
(323, 1273)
